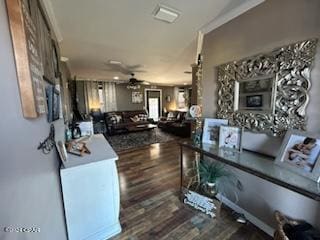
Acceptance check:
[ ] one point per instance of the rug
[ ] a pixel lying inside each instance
(128, 141)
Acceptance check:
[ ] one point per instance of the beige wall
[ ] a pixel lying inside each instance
(272, 24)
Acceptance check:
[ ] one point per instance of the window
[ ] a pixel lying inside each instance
(101, 96)
(181, 99)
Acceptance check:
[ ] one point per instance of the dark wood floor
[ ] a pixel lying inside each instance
(151, 209)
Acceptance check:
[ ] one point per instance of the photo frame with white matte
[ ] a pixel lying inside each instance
(300, 153)
(230, 137)
(211, 130)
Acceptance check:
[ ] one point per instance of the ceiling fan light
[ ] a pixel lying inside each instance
(115, 62)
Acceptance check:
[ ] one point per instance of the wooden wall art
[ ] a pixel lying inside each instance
(27, 58)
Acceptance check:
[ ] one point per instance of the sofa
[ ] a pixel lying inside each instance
(175, 122)
(118, 121)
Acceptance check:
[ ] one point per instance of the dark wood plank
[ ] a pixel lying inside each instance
(150, 205)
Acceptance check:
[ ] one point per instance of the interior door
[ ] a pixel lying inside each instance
(154, 108)
(153, 104)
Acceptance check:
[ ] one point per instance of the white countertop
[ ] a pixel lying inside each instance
(100, 151)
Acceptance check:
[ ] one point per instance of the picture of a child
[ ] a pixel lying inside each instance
(304, 154)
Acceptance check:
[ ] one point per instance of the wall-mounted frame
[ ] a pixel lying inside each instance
(27, 58)
(53, 102)
(137, 97)
(289, 67)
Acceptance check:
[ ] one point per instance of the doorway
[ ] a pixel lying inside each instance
(153, 103)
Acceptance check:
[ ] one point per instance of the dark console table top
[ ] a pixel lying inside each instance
(261, 166)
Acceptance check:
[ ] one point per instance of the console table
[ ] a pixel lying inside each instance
(259, 165)
(91, 195)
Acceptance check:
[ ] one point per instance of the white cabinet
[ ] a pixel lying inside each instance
(91, 193)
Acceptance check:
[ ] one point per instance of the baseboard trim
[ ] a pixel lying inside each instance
(257, 222)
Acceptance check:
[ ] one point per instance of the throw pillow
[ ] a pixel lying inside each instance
(143, 117)
(119, 118)
(113, 119)
(171, 116)
(135, 118)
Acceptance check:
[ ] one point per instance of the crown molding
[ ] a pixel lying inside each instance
(217, 22)
(54, 23)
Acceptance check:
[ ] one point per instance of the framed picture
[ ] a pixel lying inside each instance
(211, 130)
(300, 152)
(137, 97)
(62, 151)
(231, 138)
(53, 102)
(254, 101)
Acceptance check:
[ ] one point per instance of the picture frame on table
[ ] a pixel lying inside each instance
(211, 130)
(300, 153)
(230, 137)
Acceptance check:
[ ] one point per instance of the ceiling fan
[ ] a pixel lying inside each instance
(116, 66)
(135, 83)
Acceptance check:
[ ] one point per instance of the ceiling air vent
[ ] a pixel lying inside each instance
(165, 14)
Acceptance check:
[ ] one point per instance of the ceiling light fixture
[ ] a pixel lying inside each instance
(115, 62)
(64, 59)
(166, 14)
(116, 78)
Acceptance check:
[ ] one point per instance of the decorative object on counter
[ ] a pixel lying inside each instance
(86, 128)
(211, 130)
(137, 97)
(68, 134)
(78, 148)
(300, 152)
(62, 151)
(27, 59)
(76, 131)
(282, 77)
(48, 144)
(53, 102)
(231, 137)
(196, 113)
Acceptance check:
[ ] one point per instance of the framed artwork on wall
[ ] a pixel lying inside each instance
(231, 138)
(53, 102)
(300, 152)
(211, 130)
(137, 97)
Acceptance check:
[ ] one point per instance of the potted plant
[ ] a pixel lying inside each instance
(215, 178)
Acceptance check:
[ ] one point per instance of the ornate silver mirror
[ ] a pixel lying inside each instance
(268, 92)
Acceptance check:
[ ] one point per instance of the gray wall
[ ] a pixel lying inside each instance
(124, 97)
(29, 180)
(272, 24)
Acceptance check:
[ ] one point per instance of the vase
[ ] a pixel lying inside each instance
(210, 189)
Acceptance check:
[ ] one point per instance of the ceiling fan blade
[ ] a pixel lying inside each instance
(133, 67)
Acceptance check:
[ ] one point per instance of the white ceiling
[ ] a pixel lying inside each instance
(96, 31)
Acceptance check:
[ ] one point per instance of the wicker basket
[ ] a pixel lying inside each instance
(279, 234)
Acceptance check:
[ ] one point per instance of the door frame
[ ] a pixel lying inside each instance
(145, 99)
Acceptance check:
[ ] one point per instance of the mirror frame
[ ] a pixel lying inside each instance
(291, 66)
